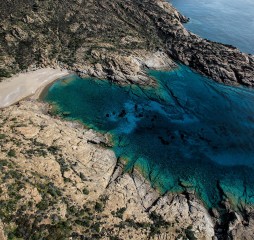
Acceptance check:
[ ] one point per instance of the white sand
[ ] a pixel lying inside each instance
(23, 85)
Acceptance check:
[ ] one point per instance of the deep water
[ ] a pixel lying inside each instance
(226, 21)
(189, 132)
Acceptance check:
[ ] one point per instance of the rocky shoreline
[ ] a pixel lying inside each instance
(56, 178)
(141, 31)
(223, 63)
(56, 173)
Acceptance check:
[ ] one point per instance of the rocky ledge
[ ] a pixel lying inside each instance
(59, 181)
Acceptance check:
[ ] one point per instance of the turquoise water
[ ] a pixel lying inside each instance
(187, 133)
(226, 21)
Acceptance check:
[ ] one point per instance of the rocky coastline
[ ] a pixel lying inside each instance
(118, 48)
(223, 63)
(56, 176)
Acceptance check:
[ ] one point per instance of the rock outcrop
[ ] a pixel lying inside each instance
(57, 175)
(223, 63)
(126, 69)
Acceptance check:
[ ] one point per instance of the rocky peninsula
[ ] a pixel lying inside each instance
(58, 179)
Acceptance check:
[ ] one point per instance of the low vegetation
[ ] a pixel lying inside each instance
(40, 33)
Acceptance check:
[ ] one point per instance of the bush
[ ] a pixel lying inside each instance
(190, 234)
(2, 136)
(53, 149)
(104, 198)
(98, 207)
(158, 222)
(4, 73)
(96, 227)
(11, 153)
(119, 213)
(43, 204)
(85, 191)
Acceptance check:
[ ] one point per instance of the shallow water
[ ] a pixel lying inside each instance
(226, 21)
(189, 132)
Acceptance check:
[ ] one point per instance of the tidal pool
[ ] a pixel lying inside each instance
(187, 133)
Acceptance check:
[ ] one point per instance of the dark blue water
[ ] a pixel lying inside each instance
(226, 21)
(189, 132)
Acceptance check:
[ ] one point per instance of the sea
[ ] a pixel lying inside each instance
(225, 21)
(189, 133)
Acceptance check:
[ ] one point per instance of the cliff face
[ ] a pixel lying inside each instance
(101, 38)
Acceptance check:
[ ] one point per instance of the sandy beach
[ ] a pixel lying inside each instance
(23, 85)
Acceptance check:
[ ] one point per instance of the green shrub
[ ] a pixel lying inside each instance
(114, 238)
(119, 213)
(53, 149)
(98, 207)
(190, 234)
(104, 198)
(2, 136)
(12, 153)
(96, 227)
(85, 191)
(3, 163)
(4, 73)
(43, 204)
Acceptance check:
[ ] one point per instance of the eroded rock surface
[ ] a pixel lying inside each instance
(57, 177)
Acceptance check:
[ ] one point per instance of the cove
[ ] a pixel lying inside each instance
(188, 133)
